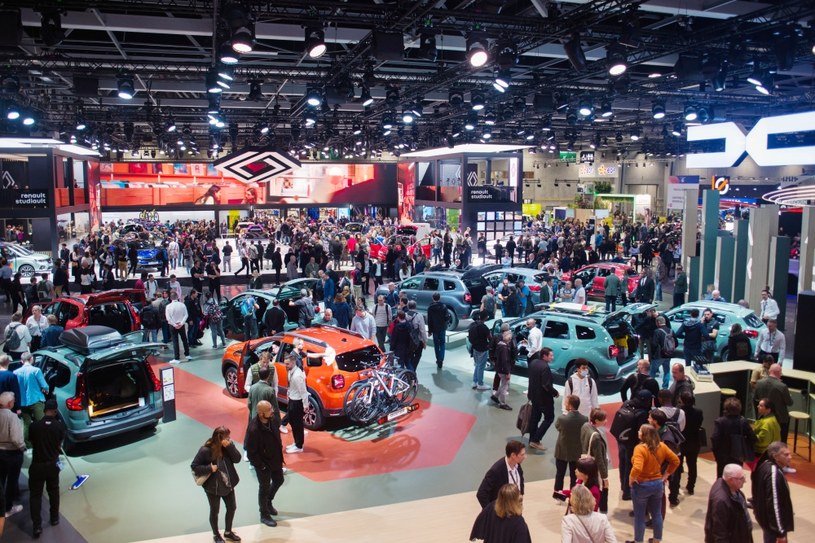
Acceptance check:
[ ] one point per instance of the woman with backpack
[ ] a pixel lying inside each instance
(738, 344)
(733, 439)
(215, 319)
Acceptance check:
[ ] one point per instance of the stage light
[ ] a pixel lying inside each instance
(677, 130)
(427, 45)
(658, 109)
(170, 126)
(227, 55)
(255, 91)
(242, 26)
(765, 86)
(477, 46)
(314, 97)
(635, 134)
(605, 109)
(574, 52)
(755, 77)
(616, 61)
(126, 87)
(407, 116)
(12, 112)
(80, 123)
(502, 80)
(456, 97)
(315, 42)
(691, 113)
(227, 73)
(51, 28)
(212, 84)
(477, 102)
(28, 118)
(586, 108)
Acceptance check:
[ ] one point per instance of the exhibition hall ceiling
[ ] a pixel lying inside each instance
(155, 76)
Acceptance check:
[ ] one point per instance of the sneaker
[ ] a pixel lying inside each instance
(268, 521)
(483, 387)
(294, 449)
(789, 469)
(690, 491)
(537, 446)
(175, 361)
(673, 503)
(14, 510)
(245, 456)
(505, 407)
(493, 398)
(284, 430)
(475, 386)
(285, 470)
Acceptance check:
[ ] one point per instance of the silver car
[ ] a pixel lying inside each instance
(24, 260)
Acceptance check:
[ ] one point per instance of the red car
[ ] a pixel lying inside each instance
(117, 309)
(380, 250)
(594, 276)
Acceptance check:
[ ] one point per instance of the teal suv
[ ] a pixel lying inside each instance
(103, 382)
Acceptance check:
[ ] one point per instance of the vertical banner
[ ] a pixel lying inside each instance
(168, 394)
(680, 187)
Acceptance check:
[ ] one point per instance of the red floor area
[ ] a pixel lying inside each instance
(430, 436)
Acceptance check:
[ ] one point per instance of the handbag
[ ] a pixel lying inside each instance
(588, 454)
(200, 479)
(524, 414)
(740, 449)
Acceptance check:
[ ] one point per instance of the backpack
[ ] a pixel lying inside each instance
(622, 427)
(571, 385)
(668, 344)
(309, 310)
(641, 380)
(415, 333)
(676, 436)
(149, 317)
(214, 312)
(248, 307)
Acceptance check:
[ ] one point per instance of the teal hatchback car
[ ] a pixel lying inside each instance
(103, 382)
(727, 315)
(608, 342)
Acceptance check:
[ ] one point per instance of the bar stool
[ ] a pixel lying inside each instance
(726, 393)
(798, 416)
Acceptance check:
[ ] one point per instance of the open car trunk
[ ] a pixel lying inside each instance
(117, 386)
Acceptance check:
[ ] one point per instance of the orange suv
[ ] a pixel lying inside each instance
(327, 381)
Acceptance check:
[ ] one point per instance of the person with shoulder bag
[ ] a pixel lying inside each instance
(595, 445)
(584, 524)
(214, 469)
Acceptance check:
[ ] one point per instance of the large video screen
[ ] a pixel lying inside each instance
(152, 184)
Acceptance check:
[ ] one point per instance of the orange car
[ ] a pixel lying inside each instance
(327, 381)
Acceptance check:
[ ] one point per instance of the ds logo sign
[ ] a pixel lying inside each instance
(720, 183)
(738, 143)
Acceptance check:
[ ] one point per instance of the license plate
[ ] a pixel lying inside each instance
(401, 412)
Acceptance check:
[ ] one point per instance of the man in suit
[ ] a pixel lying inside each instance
(542, 395)
(775, 390)
(569, 446)
(507, 470)
(611, 286)
(547, 291)
(646, 287)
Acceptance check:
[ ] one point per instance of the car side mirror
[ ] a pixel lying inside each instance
(314, 362)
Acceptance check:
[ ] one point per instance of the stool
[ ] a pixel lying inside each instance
(798, 416)
(726, 393)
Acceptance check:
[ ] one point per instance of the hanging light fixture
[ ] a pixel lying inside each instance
(126, 89)
(315, 42)
(227, 55)
(477, 49)
(242, 26)
(314, 97)
(658, 109)
(366, 97)
(616, 61)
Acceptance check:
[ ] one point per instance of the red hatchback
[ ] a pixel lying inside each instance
(594, 276)
(380, 250)
(117, 309)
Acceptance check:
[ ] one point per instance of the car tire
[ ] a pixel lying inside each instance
(723, 355)
(313, 413)
(231, 381)
(452, 320)
(26, 270)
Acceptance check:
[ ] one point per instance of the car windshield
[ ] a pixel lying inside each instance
(752, 320)
(20, 250)
(359, 359)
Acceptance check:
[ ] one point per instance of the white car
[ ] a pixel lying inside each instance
(24, 260)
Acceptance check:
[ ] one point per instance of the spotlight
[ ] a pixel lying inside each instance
(507, 55)
(471, 122)
(486, 133)
(227, 73)
(315, 42)
(242, 26)
(227, 55)
(356, 129)
(691, 114)
(477, 100)
(677, 130)
(765, 86)
(392, 96)
(705, 114)
(489, 119)
(616, 61)
(455, 97)
(212, 84)
(264, 127)
(407, 116)
(477, 46)
(366, 97)
(80, 123)
(314, 97)
(574, 52)
(214, 102)
(28, 118)
(170, 127)
(387, 120)
(310, 117)
(586, 108)
(502, 80)
(51, 24)
(635, 134)
(126, 87)
(427, 45)
(658, 109)
(571, 117)
(12, 112)
(605, 109)
(755, 77)
(255, 91)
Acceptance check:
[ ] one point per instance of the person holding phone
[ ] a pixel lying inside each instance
(217, 457)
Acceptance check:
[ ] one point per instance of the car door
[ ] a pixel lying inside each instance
(56, 373)
(425, 296)
(557, 336)
(586, 275)
(69, 314)
(234, 319)
(597, 290)
(411, 287)
(494, 279)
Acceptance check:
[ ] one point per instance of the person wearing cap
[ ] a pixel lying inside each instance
(46, 437)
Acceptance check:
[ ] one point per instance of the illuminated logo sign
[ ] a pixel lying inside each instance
(738, 143)
(720, 183)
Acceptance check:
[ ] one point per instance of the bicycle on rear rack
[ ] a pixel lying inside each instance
(386, 394)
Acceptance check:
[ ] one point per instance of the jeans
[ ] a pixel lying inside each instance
(503, 388)
(269, 481)
(295, 414)
(624, 456)
(611, 303)
(148, 334)
(182, 333)
(192, 331)
(43, 474)
(658, 291)
(250, 327)
(381, 334)
(647, 497)
(439, 340)
(217, 331)
(560, 473)
(227, 262)
(215, 508)
(536, 432)
(480, 361)
(665, 364)
(11, 462)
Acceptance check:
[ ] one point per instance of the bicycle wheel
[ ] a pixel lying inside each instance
(361, 402)
(405, 387)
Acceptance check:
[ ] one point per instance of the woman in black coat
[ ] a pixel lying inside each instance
(733, 438)
(400, 339)
(501, 521)
(217, 458)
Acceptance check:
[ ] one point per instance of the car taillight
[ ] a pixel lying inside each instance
(535, 288)
(751, 334)
(75, 403)
(337, 382)
(154, 379)
(613, 351)
(468, 298)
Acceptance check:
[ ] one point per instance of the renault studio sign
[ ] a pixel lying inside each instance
(738, 143)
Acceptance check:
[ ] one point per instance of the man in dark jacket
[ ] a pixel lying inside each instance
(691, 331)
(505, 471)
(680, 286)
(542, 395)
(640, 380)
(479, 337)
(627, 437)
(772, 502)
(645, 328)
(274, 319)
(437, 326)
(727, 518)
(265, 452)
(569, 447)
(194, 316)
(46, 440)
(646, 287)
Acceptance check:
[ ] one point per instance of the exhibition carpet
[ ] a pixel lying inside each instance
(429, 437)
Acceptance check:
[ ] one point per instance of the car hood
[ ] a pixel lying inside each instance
(630, 309)
(122, 351)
